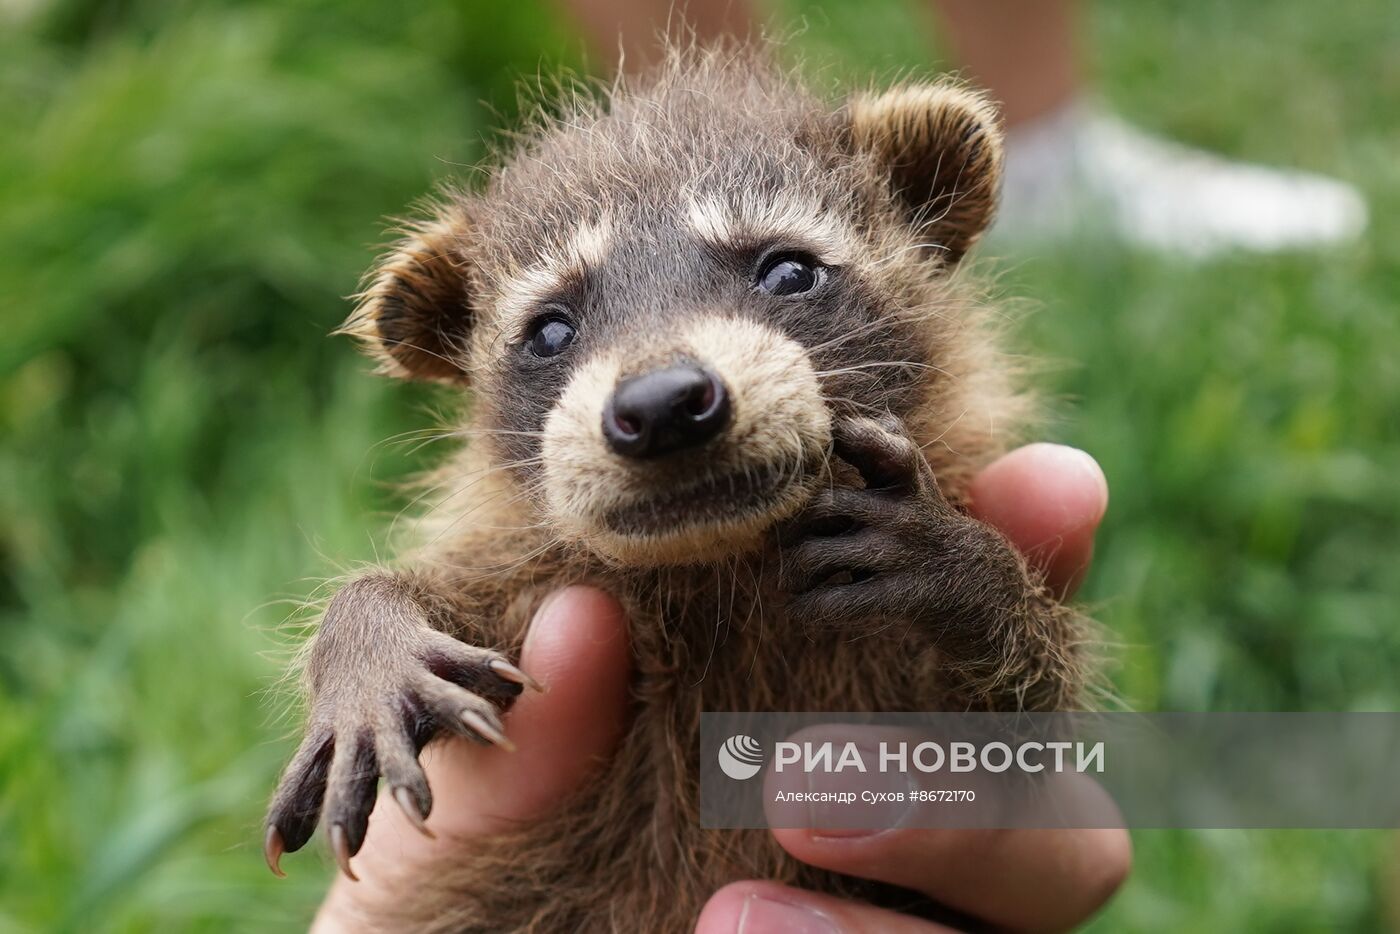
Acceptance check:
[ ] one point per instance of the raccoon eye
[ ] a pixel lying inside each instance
(550, 335)
(788, 275)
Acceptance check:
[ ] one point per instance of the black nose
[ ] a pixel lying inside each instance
(670, 409)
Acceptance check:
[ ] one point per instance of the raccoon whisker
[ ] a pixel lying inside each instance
(475, 477)
(850, 371)
(665, 593)
(425, 492)
(450, 526)
(545, 547)
(930, 312)
(418, 434)
(887, 364)
(951, 425)
(714, 641)
(504, 432)
(758, 642)
(424, 442)
(512, 566)
(529, 527)
(875, 409)
(496, 468)
(884, 261)
(424, 437)
(733, 564)
(837, 342)
(873, 326)
(429, 489)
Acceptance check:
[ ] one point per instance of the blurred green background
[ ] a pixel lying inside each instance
(187, 191)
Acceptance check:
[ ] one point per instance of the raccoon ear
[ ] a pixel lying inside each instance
(941, 145)
(415, 314)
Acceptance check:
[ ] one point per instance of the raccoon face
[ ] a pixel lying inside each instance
(662, 305)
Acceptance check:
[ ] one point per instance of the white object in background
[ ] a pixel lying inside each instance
(1080, 168)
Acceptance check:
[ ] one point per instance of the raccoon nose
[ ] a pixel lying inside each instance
(671, 409)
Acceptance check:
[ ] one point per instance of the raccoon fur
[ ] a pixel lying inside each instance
(722, 363)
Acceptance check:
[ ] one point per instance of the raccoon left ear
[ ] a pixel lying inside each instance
(415, 313)
(942, 147)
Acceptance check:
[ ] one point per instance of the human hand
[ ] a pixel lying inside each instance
(1047, 499)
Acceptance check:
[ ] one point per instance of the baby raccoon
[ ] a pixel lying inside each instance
(719, 366)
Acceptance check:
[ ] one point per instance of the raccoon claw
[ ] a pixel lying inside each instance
(340, 846)
(509, 672)
(887, 458)
(374, 723)
(273, 849)
(409, 806)
(488, 729)
(297, 804)
(857, 553)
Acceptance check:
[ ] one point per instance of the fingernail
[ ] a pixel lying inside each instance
(1083, 462)
(538, 621)
(888, 803)
(586, 602)
(763, 915)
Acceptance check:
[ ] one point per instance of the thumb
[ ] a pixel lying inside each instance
(1048, 500)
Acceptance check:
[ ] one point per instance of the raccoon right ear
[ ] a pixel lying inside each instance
(415, 314)
(942, 147)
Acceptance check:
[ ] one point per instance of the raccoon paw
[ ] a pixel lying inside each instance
(862, 554)
(372, 719)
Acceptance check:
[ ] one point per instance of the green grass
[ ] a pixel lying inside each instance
(186, 193)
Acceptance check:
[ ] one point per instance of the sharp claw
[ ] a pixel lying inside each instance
(509, 672)
(340, 848)
(409, 806)
(273, 848)
(882, 464)
(487, 730)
